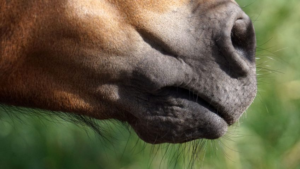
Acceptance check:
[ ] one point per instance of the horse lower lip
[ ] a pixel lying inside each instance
(178, 116)
(180, 92)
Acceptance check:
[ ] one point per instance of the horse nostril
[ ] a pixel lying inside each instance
(237, 43)
(243, 38)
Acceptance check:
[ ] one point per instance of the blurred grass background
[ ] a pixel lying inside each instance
(267, 136)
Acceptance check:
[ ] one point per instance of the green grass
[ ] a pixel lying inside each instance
(267, 136)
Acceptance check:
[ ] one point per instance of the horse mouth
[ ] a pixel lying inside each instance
(179, 115)
(193, 96)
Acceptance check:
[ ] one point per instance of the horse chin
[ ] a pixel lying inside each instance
(175, 116)
(183, 123)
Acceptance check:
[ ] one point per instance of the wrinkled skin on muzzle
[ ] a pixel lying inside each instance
(175, 71)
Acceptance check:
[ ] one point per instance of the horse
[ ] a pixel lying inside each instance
(175, 71)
